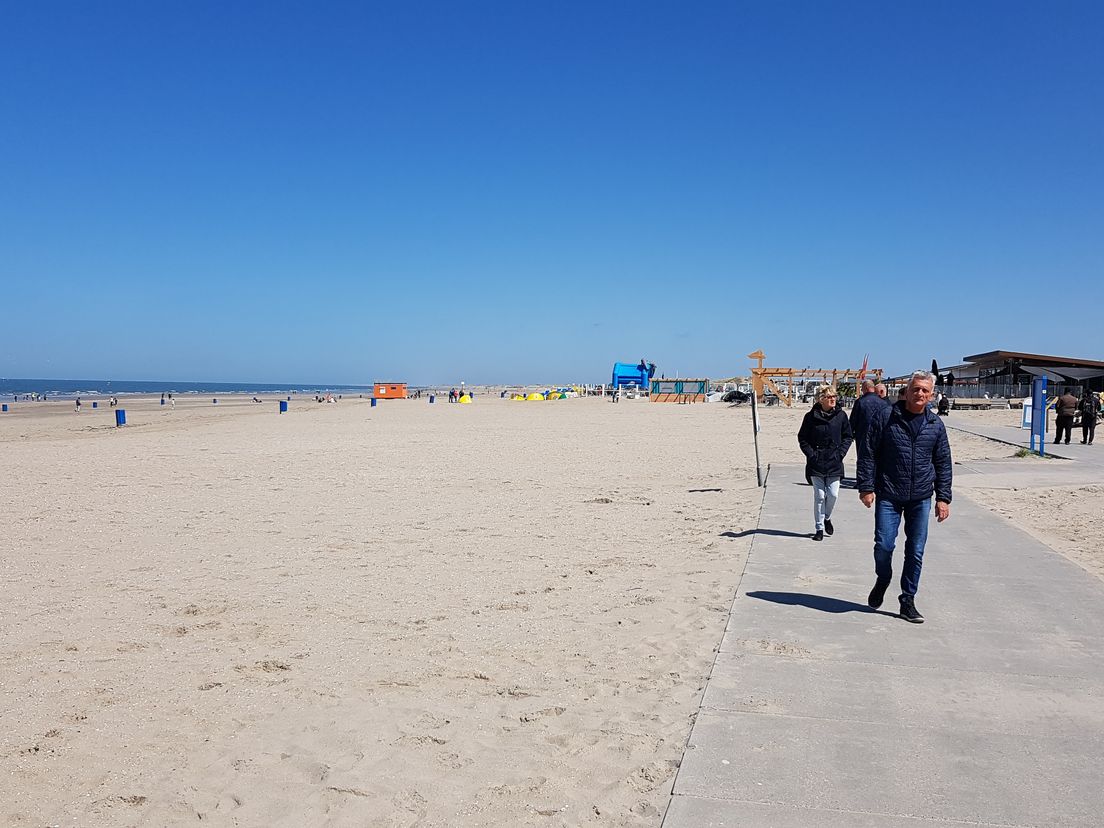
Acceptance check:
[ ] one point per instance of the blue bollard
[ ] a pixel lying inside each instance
(120, 417)
(95, 404)
(432, 398)
(373, 402)
(283, 406)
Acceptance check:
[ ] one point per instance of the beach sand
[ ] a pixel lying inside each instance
(414, 614)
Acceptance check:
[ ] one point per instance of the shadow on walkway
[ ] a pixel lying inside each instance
(781, 533)
(817, 602)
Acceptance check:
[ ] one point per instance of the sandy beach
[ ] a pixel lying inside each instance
(434, 615)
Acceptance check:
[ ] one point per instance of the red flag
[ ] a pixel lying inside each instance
(862, 372)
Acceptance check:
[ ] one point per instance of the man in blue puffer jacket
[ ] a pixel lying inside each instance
(904, 458)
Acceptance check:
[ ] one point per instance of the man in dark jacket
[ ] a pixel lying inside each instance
(1066, 409)
(904, 458)
(864, 409)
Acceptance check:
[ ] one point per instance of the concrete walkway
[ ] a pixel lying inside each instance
(1021, 437)
(822, 712)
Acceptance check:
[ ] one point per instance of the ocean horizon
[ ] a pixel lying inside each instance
(65, 388)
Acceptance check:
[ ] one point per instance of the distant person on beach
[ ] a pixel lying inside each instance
(1089, 407)
(824, 437)
(78, 405)
(944, 407)
(864, 408)
(904, 458)
(1066, 409)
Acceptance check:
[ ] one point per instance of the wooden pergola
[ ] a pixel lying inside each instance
(782, 381)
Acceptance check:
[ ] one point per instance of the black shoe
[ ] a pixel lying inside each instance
(819, 535)
(829, 529)
(908, 610)
(877, 594)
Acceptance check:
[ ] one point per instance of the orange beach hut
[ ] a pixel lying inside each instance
(390, 390)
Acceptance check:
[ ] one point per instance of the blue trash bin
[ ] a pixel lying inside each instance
(283, 406)
(432, 398)
(373, 402)
(95, 404)
(120, 417)
(5, 407)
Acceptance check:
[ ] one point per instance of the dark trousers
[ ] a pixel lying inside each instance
(1087, 430)
(1063, 422)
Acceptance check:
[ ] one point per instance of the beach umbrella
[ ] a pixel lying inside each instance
(935, 372)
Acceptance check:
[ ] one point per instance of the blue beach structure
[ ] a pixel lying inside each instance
(625, 373)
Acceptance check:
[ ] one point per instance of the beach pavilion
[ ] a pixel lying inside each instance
(1010, 374)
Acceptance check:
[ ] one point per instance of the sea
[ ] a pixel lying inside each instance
(70, 388)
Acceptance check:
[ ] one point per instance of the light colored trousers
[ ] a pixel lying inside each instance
(825, 492)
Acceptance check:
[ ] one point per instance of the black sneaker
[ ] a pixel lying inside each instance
(829, 529)
(877, 594)
(819, 536)
(908, 610)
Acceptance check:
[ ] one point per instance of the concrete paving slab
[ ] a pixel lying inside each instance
(821, 712)
(998, 703)
(721, 813)
(896, 769)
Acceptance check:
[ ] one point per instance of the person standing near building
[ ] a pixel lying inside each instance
(824, 437)
(881, 390)
(904, 459)
(1089, 406)
(1066, 409)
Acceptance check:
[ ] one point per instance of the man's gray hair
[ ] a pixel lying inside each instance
(868, 385)
(926, 376)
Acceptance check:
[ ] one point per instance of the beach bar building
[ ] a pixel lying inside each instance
(1010, 374)
(389, 390)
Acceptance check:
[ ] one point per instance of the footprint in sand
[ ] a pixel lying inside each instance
(541, 714)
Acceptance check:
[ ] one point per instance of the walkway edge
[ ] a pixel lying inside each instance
(717, 648)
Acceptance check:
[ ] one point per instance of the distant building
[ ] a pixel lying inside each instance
(390, 390)
(1010, 373)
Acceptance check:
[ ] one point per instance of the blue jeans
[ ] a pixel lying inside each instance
(887, 520)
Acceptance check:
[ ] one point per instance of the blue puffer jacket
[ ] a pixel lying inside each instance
(895, 468)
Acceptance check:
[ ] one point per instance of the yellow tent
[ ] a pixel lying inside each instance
(535, 396)
(465, 398)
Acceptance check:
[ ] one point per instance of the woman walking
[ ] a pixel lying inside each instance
(1089, 407)
(824, 437)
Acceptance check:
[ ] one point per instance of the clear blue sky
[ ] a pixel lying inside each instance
(529, 191)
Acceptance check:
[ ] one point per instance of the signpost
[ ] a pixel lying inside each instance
(1038, 414)
(755, 434)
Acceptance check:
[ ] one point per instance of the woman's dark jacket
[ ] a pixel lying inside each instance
(897, 468)
(824, 437)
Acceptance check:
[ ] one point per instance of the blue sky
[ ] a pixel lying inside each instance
(529, 191)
